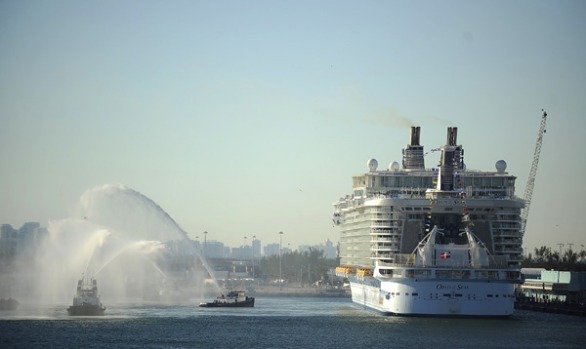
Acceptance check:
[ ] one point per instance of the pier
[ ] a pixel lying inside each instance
(551, 307)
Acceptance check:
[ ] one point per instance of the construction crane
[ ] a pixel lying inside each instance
(532, 173)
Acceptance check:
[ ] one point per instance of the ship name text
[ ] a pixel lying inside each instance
(451, 287)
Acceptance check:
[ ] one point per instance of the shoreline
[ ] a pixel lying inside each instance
(554, 308)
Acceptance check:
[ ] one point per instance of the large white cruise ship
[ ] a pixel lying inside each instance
(443, 241)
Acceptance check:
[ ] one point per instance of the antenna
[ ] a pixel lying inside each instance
(560, 245)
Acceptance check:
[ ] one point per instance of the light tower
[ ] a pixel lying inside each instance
(280, 243)
(253, 238)
(205, 235)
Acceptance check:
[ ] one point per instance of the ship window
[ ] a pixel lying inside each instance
(458, 295)
(406, 293)
(489, 295)
(398, 293)
(415, 294)
(447, 295)
(387, 272)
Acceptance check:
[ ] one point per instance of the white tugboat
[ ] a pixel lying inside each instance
(86, 301)
(432, 242)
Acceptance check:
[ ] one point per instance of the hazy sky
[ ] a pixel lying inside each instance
(246, 118)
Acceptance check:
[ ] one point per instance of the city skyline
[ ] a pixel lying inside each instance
(243, 250)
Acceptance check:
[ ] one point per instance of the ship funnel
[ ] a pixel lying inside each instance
(452, 136)
(415, 131)
(413, 154)
(451, 162)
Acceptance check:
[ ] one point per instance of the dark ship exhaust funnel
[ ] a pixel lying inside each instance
(452, 136)
(415, 131)
(451, 160)
(413, 154)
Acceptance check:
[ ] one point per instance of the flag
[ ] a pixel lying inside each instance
(445, 255)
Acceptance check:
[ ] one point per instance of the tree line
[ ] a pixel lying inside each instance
(310, 266)
(545, 257)
(304, 268)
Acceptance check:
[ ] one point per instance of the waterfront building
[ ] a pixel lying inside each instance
(545, 286)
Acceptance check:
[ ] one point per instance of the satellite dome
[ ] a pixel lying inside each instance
(501, 166)
(372, 165)
(394, 166)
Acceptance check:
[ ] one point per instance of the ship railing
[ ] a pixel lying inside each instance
(394, 259)
(387, 240)
(508, 249)
(383, 239)
(418, 272)
(489, 266)
(402, 260)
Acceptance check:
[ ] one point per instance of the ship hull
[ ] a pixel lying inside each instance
(435, 298)
(86, 310)
(248, 303)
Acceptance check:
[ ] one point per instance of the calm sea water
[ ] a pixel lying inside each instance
(279, 323)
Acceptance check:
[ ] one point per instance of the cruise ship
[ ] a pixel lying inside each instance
(443, 241)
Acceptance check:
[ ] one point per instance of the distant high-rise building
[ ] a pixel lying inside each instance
(271, 250)
(214, 249)
(256, 248)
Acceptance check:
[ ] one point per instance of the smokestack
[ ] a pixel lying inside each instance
(451, 160)
(415, 130)
(452, 136)
(447, 170)
(413, 154)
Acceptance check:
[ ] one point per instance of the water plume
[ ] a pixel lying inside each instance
(127, 242)
(124, 209)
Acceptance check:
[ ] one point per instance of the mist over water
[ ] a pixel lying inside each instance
(125, 241)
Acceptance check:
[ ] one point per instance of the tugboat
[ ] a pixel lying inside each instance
(233, 299)
(86, 302)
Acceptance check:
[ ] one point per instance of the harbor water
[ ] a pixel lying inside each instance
(278, 322)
